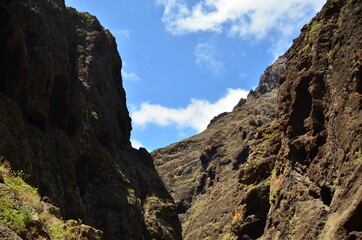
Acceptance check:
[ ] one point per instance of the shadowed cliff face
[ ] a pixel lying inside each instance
(292, 173)
(64, 121)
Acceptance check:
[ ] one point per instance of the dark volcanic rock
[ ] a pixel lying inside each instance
(64, 121)
(270, 79)
(293, 173)
(319, 168)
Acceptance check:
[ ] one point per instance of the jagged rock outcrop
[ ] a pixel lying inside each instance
(64, 121)
(319, 167)
(292, 173)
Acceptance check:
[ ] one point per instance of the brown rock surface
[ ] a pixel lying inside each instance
(64, 121)
(295, 173)
(319, 168)
(7, 234)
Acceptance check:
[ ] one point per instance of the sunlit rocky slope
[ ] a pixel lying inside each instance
(287, 162)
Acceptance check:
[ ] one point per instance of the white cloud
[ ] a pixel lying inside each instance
(246, 17)
(206, 57)
(130, 76)
(255, 19)
(196, 115)
(136, 144)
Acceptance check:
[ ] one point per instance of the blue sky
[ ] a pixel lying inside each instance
(185, 61)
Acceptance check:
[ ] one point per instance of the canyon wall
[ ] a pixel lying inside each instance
(287, 162)
(64, 122)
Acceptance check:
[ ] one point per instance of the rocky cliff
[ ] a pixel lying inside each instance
(64, 121)
(287, 162)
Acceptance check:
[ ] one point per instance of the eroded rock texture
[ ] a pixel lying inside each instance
(319, 166)
(290, 173)
(64, 121)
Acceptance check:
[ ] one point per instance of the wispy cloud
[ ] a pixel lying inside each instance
(242, 75)
(124, 33)
(257, 19)
(196, 115)
(130, 76)
(206, 58)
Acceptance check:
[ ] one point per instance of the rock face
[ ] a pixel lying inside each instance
(319, 166)
(64, 121)
(287, 162)
(7, 234)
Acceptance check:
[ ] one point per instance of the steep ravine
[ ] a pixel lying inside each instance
(64, 122)
(287, 162)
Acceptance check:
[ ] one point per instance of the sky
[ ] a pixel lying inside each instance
(186, 61)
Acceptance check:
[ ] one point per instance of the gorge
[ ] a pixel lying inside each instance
(286, 163)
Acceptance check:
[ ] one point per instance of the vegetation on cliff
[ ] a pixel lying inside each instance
(22, 211)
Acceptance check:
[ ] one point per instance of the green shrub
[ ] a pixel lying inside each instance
(336, 181)
(329, 54)
(340, 17)
(86, 17)
(266, 135)
(57, 229)
(15, 181)
(17, 218)
(314, 27)
(304, 48)
(25, 214)
(273, 194)
(11, 217)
